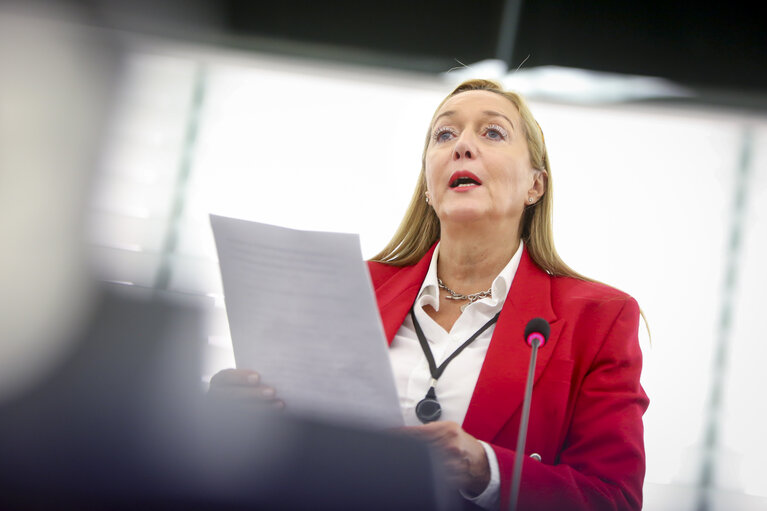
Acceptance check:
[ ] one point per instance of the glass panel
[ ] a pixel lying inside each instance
(744, 416)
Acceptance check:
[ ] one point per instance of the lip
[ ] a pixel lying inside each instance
(463, 173)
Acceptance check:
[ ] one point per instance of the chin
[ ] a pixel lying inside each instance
(464, 215)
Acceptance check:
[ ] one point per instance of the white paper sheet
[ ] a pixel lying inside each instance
(302, 313)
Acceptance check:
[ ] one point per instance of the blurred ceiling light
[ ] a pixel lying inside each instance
(571, 84)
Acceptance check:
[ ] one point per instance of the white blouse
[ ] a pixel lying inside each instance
(456, 385)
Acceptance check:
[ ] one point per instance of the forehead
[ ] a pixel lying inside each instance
(478, 101)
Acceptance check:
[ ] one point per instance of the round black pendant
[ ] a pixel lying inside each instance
(428, 410)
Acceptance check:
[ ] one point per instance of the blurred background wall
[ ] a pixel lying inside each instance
(312, 115)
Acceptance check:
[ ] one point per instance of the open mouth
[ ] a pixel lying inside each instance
(463, 178)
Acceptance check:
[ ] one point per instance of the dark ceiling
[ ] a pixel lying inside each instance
(717, 48)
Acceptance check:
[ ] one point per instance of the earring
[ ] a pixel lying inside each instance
(530, 199)
(426, 197)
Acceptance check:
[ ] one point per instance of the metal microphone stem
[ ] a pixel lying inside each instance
(522, 435)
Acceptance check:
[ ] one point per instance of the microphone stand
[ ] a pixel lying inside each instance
(522, 435)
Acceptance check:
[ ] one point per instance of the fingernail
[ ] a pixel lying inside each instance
(268, 391)
(253, 379)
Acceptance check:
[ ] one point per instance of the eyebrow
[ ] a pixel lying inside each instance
(489, 113)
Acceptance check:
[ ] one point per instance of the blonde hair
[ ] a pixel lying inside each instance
(420, 228)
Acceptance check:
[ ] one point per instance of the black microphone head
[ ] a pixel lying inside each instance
(537, 328)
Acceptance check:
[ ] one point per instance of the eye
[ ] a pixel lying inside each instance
(443, 134)
(495, 132)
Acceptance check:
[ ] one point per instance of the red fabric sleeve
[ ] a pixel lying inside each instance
(601, 465)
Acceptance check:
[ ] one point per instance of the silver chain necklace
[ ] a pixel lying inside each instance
(458, 296)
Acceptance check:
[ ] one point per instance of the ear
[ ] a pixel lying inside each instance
(538, 188)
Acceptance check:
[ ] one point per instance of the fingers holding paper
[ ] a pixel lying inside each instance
(465, 459)
(243, 386)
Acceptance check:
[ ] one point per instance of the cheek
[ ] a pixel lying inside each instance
(427, 176)
(514, 187)
(430, 167)
(515, 180)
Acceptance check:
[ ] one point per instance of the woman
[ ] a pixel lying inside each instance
(472, 262)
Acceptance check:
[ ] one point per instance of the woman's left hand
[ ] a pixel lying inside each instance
(465, 458)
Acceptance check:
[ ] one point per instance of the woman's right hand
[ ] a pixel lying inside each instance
(243, 386)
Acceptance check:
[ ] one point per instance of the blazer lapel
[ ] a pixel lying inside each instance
(501, 385)
(396, 296)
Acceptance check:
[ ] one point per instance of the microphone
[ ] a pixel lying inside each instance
(536, 334)
(537, 329)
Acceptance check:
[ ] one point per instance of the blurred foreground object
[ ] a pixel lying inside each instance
(101, 402)
(55, 85)
(123, 424)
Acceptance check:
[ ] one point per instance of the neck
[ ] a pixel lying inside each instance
(471, 256)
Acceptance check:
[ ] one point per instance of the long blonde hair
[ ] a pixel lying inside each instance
(420, 228)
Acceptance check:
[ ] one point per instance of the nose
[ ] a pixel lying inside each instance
(464, 148)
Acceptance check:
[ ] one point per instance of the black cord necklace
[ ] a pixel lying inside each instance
(428, 409)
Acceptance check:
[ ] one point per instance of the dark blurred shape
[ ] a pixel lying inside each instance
(700, 44)
(124, 423)
(98, 425)
(295, 464)
(433, 33)
(714, 45)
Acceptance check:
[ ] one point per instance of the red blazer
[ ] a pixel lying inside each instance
(587, 404)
